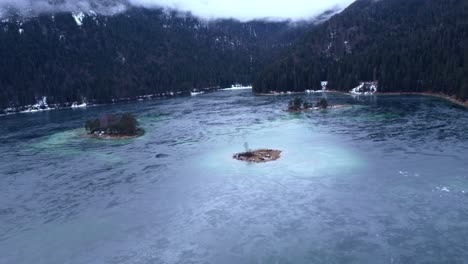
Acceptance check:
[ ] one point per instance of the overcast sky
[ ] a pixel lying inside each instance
(240, 9)
(251, 9)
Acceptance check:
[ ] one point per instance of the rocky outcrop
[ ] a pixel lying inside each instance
(258, 156)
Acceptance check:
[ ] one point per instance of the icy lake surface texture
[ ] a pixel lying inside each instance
(385, 181)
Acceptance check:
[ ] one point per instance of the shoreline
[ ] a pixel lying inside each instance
(293, 93)
(449, 98)
(333, 107)
(140, 133)
(67, 106)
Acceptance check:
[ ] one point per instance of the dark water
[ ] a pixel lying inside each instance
(385, 181)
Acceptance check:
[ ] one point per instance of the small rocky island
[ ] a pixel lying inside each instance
(112, 126)
(257, 156)
(298, 105)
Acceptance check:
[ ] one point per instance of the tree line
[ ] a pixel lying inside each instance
(138, 52)
(405, 45)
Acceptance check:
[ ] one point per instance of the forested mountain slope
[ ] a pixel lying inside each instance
(406, 45)
(71, 56)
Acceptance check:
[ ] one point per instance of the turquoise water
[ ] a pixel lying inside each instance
(384, 181)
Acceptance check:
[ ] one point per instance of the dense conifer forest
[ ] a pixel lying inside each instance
(71, 56)
(406, 45)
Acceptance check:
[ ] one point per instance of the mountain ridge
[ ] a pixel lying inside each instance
(408, 46)
(69, 57)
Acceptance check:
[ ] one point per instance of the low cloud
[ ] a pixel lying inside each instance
(239, 9)
(249, 9)
(36, 7)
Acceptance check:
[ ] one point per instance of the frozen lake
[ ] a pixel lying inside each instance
(385, 181)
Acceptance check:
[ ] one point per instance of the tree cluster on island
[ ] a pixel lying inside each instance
(111, 125)
(299, 105)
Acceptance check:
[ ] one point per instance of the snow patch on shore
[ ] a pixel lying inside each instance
(76, 105)
(195, 93)
(315, 91)
(238, 87)
(365, 88)
(41, 105)
(324, 85)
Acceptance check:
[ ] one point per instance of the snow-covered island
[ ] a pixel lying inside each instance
(366, 88)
